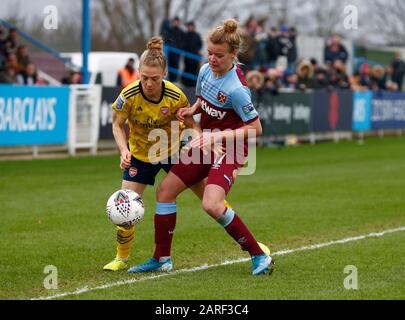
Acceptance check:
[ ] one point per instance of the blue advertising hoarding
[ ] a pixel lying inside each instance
(362, 110)
(388, 111)
(33, 115)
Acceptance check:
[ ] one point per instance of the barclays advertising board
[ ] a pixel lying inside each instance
(33, 115)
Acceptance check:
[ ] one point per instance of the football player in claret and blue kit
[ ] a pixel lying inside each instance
(227, 112)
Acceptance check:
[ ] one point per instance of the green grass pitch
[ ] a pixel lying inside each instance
(53, 213)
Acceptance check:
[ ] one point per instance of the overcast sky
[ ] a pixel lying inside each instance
(29, 9)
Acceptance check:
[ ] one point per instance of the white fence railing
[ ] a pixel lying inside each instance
(84, 117)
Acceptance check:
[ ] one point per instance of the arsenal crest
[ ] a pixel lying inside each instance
(132, 172)
(164, 110)
(221, 97)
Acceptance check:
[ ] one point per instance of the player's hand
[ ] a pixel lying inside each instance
(209, 141)
(184, 113)
(125, 160)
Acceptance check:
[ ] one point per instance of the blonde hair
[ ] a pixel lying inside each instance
(227, 33)
(153, 55)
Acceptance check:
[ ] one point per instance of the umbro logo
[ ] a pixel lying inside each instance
(228, 179)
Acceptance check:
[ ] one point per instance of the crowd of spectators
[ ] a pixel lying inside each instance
(270, 60)
(271, 63)
(16, 67)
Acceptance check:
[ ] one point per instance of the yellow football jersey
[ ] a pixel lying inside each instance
(144, 116)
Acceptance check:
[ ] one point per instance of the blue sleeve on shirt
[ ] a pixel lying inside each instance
(242, 104)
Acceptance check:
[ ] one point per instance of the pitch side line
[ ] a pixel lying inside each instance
(206, 266)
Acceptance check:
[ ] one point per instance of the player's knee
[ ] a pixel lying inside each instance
(214, 209)
(164, 194)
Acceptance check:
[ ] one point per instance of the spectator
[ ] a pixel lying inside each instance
(260, 39)
(2, 47)
(272, 83)
(315, 65)
(271, 86)
(378, 78)
(305, 74)
(12, 37)
(290, 80)
(194, 45)
(293, 56)
(165, 30)
(321, 80)
(287, 47)
(355, 82)
(74, 77)
(12, 61)
(175, 37)
(1, 35)
(255, 80)
(365, 74)
(334, 50)
(8, 75)
(398, 70)
(389, 83)
(127, 74)
(272, 47)
(7, 48)
(23, 56)
(28, 76)
(338, 77)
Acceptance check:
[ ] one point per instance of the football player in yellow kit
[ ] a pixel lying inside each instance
(147, 104)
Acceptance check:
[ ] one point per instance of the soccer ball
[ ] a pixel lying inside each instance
(125, 208)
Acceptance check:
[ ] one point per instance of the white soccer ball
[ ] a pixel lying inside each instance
(125, 208)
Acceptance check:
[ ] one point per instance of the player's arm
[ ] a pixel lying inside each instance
(196, 108)
(189, 112)
(118, 126)
(243, 106)
(253, 128)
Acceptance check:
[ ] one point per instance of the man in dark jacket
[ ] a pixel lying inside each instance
(273, 50)
(335, 50)
(398, 70)
(193, 45)
(287, 47)
(175, 38)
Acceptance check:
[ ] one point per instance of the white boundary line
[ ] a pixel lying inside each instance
(206, 266)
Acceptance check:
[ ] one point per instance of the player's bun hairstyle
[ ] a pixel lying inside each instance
(228, 33)
(153, 55)
(155, 43)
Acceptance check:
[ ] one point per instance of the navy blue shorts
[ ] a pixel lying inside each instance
(144, 172)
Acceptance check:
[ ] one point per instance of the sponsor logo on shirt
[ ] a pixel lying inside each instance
(212, 112)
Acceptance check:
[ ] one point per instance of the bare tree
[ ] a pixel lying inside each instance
(127, 24)
(321, 17)
(387, 20)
